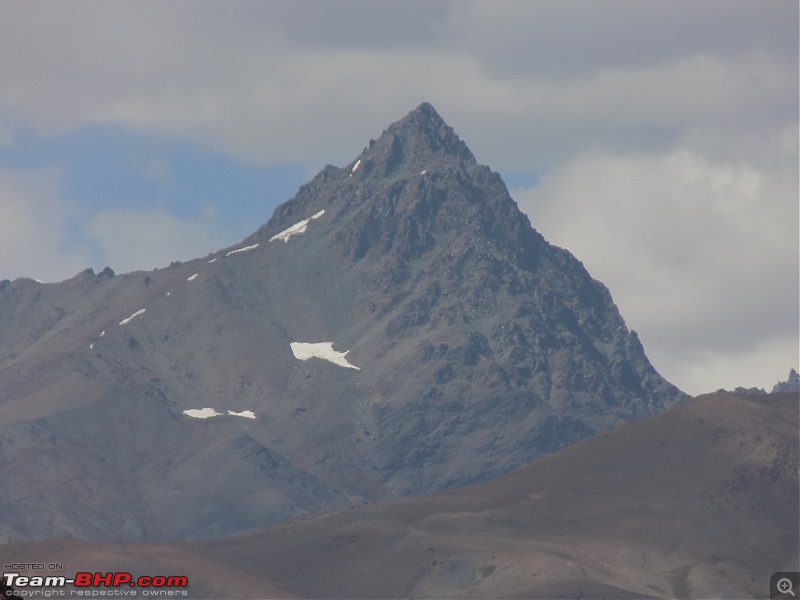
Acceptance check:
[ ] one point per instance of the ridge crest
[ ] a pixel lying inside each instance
(417, 139)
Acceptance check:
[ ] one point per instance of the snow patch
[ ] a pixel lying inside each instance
(245, 249)
(132, 317)
(102, 333)
(296, 229)
(193, 277)
(201, 413)
(423, 172)
(213, 260)
(355, 166)
(248, 414)
(205, 413)
(323, 350)
(91, 345)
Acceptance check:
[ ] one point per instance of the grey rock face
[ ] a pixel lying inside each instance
(792, 383)
(479, 346)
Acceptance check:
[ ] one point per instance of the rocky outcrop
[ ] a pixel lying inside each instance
(792, 383)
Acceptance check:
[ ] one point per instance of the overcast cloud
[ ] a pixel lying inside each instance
(663, 137)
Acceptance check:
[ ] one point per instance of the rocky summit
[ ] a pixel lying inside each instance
(397, 327)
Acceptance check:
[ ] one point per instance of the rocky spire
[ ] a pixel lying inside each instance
(792, 384)
(416, 141)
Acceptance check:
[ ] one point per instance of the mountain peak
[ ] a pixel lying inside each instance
(477, 346)
(419, 138)
(424, 118)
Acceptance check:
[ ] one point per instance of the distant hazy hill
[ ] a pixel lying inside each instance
(396, 328)
(792, 384)
(700, 501)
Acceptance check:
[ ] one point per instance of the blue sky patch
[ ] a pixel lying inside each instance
(107, 167)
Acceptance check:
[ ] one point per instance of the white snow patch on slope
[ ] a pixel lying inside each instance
(323, 350)
(248, 414)
(132, 317)
(213, 260)
(205, 413)
(245, 249)
(296, 229)
(201, 413)
(355, 166)
(193, 277)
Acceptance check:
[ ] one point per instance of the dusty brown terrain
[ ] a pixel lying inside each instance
(700, 501)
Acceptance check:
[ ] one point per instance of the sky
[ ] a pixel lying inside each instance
(655, 140)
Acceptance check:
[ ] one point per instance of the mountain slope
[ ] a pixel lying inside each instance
(476, 347)
(700, 501)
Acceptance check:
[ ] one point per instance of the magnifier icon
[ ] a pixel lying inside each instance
(784, 586)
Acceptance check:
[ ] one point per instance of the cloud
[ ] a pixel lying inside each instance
(311, 81)
(47, 237)
(698, 254)
(569, 39)
(133, 239)
(34, 222)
